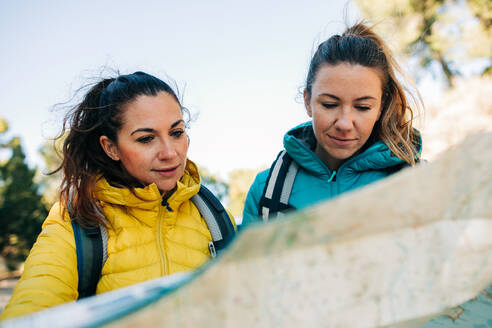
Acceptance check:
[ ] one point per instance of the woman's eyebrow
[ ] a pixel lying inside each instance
(337, 98)
(365, 98)
(143, 130)
(176, 123)
(330, 95)
(153, 130)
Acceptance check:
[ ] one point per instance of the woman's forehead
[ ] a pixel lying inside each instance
(158, 110)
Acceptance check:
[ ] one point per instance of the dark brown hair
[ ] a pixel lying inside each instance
(83, 159)
(360, 45)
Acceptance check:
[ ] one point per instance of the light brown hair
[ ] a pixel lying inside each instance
(360, 45)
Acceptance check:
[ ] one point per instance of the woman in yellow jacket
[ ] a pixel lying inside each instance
(125, 167)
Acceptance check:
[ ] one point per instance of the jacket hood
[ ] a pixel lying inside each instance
(300, 144)
(149, 197)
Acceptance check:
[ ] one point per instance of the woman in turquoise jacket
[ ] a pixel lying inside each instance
(361, 128)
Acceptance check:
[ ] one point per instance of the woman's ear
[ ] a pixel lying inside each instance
(109, 148)
(307, 103)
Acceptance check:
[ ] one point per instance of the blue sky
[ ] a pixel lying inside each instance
(240, 64)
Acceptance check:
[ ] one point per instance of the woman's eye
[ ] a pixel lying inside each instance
(177, 133)
(145, 139)
(329, 105)
(361, 107)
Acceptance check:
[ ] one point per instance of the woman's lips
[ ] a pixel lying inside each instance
(342, 141)
(167, 172)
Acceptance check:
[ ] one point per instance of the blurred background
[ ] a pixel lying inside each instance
(239, 67)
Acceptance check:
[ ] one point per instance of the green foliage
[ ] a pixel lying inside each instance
(482, 9)
(3, 125)
(215, 184)
(50, 152)
(21, 209)
(450, 33)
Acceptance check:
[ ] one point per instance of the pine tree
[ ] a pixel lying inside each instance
(21, 209)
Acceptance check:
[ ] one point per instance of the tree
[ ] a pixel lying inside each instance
(482, 10)
(50, 183)
(3, 126)
(215, 184)
(21, 209)
(453, 34)
(239, 182)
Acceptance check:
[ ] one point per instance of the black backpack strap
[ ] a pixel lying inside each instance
(217, 219)
(278, 186)
(91, 249)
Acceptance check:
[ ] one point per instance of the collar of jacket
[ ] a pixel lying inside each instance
(149, 197)
(300, 143)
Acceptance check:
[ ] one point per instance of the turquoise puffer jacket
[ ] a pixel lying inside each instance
(315, 182)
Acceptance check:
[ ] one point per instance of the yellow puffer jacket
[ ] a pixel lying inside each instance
(146, 240)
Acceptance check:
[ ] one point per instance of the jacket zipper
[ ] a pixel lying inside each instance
(160, 243)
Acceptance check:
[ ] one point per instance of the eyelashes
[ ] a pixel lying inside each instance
(145, 139)
(176, 134)
(334, 105)
(329, 105)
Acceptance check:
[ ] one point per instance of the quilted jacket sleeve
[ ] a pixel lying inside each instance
(50, 271)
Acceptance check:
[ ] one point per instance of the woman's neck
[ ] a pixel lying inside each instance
(332, 163)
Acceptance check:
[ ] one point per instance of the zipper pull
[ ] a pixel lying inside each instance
(211, 248)
(165, 203)
(333, 175)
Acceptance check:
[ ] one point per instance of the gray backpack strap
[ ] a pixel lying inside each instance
(278, 187)
(104, 239)
(217, 219)
(289, 182)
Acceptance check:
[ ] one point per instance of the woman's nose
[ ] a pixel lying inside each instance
(166, 151)
(345, 119)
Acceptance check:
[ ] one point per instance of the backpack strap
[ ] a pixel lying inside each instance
(217, 219)
(278, 186)
(91, 245)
